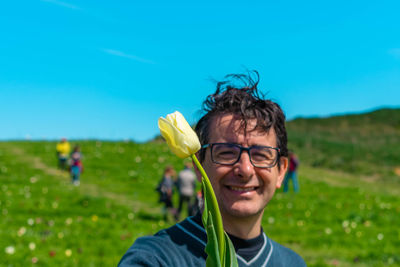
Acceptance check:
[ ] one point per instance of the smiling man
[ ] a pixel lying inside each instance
(244, 152)
(244, 173)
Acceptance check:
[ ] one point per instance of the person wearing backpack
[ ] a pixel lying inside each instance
(165, 190)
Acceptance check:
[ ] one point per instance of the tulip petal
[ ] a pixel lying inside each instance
(179, 135)
(172, 136)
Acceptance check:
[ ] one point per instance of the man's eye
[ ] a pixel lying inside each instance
(226, 153)
(262, 155)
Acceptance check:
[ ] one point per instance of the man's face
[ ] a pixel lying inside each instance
(242, 190)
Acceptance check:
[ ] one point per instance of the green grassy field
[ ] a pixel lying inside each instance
(346, 214)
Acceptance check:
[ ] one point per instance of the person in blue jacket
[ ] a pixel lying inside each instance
(244, 152)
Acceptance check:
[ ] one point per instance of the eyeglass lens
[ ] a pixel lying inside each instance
(230, 153)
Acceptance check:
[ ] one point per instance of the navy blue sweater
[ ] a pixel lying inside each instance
(183, 245)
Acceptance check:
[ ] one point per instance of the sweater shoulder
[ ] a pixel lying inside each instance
(147, 251)
(284, 256)
(168, 247)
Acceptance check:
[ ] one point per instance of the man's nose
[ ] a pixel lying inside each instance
(244, 167)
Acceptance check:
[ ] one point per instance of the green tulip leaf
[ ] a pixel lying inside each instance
(213, 259)
(230, 254)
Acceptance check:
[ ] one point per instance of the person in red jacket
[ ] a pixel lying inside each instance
(76, 166)
(292, 173)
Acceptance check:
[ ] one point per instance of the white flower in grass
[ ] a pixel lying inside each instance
(328, 231)
(32, 246)
(68, 221)
(10, 250)
(21, 231)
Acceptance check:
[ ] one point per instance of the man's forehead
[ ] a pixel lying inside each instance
(231, 120)
(229, 124)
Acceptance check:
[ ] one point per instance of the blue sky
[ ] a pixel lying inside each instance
(109, 69)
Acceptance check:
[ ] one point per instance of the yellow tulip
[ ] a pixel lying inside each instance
(180, 137)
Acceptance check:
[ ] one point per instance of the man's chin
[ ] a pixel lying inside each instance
(244, 211)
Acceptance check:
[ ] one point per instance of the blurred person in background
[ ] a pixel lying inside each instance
(76, 166)
(165, 189)
(198, 203)
(186, 184)
(63, 148)
(291, 173)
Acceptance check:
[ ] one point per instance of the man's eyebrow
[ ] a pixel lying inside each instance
(257, 144)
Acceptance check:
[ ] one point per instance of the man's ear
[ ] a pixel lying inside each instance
(284, 162)
(196, 170)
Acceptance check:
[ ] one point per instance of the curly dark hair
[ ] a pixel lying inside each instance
(246, 103)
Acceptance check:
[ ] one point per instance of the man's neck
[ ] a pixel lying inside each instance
(245, 228)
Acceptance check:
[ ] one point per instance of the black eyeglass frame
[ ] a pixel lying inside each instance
(247, 149)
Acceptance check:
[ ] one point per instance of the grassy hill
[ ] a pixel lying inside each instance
(346, 213)
(364, 144)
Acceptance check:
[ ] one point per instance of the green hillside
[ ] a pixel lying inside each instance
(346, 213)
(365, 144)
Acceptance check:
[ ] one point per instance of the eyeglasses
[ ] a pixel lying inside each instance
(229, 154)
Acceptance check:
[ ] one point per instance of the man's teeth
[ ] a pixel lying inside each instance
(241, 189)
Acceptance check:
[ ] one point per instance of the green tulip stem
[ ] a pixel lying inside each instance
(214, 209)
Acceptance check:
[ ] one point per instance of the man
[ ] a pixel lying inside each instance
(244, 152)
(186, 184)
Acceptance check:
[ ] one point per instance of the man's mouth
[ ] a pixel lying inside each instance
(241, 189)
